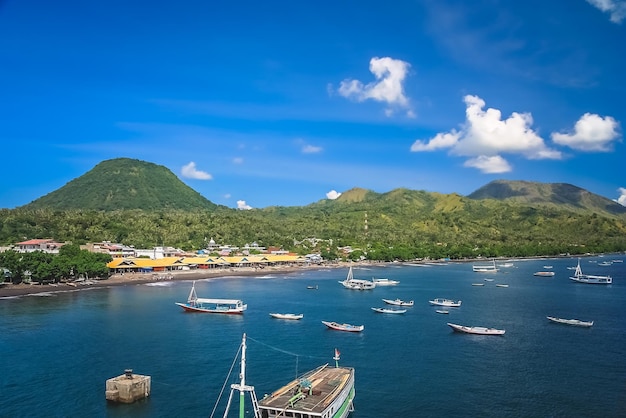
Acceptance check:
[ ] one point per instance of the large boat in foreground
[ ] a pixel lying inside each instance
(325, 392)
(575, 322)
(476, 330)
(589, 278)
(222, 306)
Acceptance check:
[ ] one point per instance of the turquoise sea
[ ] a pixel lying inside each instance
(57, 351)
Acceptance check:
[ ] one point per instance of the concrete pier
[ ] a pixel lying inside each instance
(128, 387)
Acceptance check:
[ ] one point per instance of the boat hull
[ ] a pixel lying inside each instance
(476, 330)
(389, 311)
(574, 322)
(344, 327)
(445, 302)
(189, 308)
(398, 302)
(287, 316)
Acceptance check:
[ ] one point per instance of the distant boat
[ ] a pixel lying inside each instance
(356, 284)
(389, 311)
(605, 263)
(476, 330)
(506, 265)
(385, 282)
(502, 285)
(286, 316)
(441, 311)
(344, 327)
(312, 287)
(544, 273)
(478, 284)
(398, 302)
(576, 322)
(547, 267)
(588, 278)
(485, 268)
(489, 280)
(445, 302)
(222, 306)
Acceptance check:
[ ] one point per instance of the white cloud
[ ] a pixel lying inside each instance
(237, 160)
(311, 149)
(333, 194)
(388, 87)
(190, 171)
(591, 133)
(489, 165)
(622, 196)
(485, 135)
(227, 196)
(241, 204)
(616, 8)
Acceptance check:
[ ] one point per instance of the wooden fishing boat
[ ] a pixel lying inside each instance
(344, 327)
(575, 322)
(203, 305)
(286, 315)
(389, 311)
(399, 302)
(445, 302)
(476, 330)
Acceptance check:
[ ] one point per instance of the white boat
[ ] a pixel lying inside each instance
(322, 392)
(605, 263)
(222, 306)
(356, 284)
(286, 315)
(389, 311)
(485, 268)
(344, 327)
(506, 265)
(588, 278)
(544, 273)
(478, 284)
(385, 282)
(476, 330)
(576, 322)
(442, 311)
(445, 302)
(547, 267)
(502, 285)
(398, 302)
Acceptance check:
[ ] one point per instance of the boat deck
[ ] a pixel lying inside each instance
(325, 383)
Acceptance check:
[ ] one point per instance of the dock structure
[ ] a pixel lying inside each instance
(128, 388)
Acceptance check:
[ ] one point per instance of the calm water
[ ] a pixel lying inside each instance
(57, 352)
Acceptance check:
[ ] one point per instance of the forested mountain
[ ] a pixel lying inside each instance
(503, 218)
(557, 194)
(124, 183)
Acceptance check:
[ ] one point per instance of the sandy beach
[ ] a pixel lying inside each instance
(130, 279)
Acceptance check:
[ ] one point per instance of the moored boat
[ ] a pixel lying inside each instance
(442, 311)
(203, 305)
(544, 273)
(356, 284)
(476, 330)
(399, 302)
(389, 311)
(286, 315)
(385, 282)
(445, 302)
(485, 268)
(322, 392)
(575, 322)
(589, 278)
(343, 327)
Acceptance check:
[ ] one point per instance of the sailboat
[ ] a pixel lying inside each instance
(588, 278)
(222, 306)
(323, 392)
(356, 284)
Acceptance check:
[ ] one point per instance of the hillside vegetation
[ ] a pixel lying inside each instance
(400, 224)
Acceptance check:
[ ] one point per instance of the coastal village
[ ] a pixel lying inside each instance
(163, 260)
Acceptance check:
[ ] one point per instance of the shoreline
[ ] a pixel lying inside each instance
(8, 291)
(131, 279)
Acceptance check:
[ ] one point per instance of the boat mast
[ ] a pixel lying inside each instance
(242, 387)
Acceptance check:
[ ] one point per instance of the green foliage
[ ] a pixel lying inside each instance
(124, 184)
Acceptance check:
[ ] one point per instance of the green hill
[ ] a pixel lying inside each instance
(122, 184)
(562, 195)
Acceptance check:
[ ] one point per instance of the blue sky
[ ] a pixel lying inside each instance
(256, 104)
